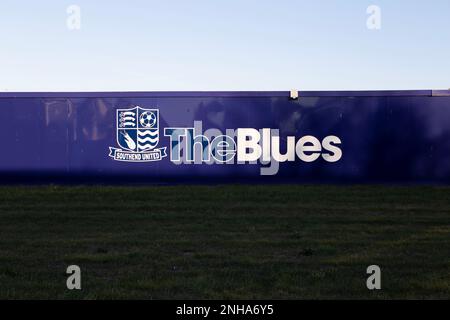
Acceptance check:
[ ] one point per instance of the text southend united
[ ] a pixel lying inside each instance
(225, 309)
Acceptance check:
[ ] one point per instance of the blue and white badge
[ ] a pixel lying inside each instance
(137, 135)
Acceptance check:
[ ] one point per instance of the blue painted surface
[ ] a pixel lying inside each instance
(387, 137)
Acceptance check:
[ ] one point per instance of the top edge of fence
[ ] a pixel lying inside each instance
(205, 94)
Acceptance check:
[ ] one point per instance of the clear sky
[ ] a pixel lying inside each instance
(224, 45)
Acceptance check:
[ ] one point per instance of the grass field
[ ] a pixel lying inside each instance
(225, 242)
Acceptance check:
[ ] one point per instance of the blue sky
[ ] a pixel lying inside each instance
(224, 45)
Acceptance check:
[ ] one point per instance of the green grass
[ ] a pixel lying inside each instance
(225, 242)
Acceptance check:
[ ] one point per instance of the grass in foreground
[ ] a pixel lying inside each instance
(225, 242)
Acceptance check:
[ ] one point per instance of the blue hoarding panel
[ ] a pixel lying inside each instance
(151, 137)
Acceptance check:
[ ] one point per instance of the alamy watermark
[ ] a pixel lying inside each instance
(374, 280)
(74, 279)
(374, 20)
(73, 21)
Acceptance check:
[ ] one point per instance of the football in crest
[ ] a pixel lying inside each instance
(147, 119)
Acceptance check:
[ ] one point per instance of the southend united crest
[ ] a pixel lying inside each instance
(137, 135)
